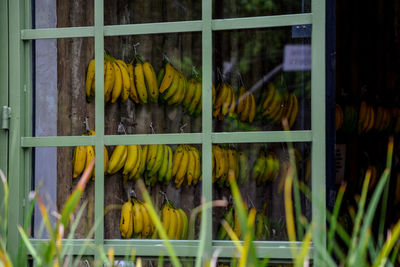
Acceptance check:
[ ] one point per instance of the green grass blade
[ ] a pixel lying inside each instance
(28, 244)
(73, 229)
(305, 248)
(386, 249)
(333, 219)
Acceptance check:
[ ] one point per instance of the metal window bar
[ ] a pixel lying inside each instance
(20, 124)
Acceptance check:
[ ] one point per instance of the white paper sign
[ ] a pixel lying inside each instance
(297, 57)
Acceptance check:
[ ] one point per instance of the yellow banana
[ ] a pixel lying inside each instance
(89, 158)
(219, 160)
(151, 157)
(178, 154)
(236, 225)
(191, 167)
(133, 91)
(222, 94)
(173, 224)
(168, 77)
(197, 171)
(233, 104)
(183, 87)
(89, 77)
(295, 109)
(116, 91)
(118, 158)
(79, 160)
(174, 99)
(139, 161)
(252, 111)
(196, 98)
(168, 174)
(270, 96)
(189, 92)
(132, 158)
(246, 109)
(151, 81)
(106, 159)
(164, 165)
(185, 224)
(126, 224)
(109, 81)
(147, 226)
(125, 80)
(183, 165)
(158, 160)
(241, 99)
(137, 217)
(227, 101)
(232, 162)
(166, 219)
(142, 166)
(140, 83)
(179, 224)
(173, 88)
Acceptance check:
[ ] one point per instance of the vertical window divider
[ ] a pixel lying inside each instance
(207, 124)
(318, 172)
(99, 123)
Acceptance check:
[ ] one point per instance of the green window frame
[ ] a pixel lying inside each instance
(21, 141)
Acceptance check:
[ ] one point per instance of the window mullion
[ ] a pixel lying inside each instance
(99, 121)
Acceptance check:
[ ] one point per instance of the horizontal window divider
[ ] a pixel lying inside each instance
(78, 246)
(60, 141)
(151, 247)
(261, 22)
(135, 139)
(153, 28)
(69, 32)
(262, 137)
(269, 249)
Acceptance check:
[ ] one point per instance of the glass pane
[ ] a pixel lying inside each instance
(163, 88)
(237, 8)
(58, 14)
(261, 77)
(172, 175)
(59, 97)
(260, 171)
(56, 173)
(134, 12)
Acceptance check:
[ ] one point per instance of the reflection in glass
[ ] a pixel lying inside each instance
(262, 79)
(260, 171)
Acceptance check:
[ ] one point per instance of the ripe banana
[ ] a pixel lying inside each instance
(125, 80)
(89, 78)
(126, 223)
(151, 81)
(117, 89)
(133, 93)
(79, 160)
(118, 158)
(140, 83)
(89, 158)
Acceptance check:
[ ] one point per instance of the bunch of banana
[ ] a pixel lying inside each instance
(262, 226)
(118, 159)
(339, 117)
(224, 160)
(83, 155)
(144, 81)
(225, 102)
(193, 97)
(383, 119)
(246, 106)
(158, 164)
(350, 118)
(275, 107)
(134, 163)
(186, 165)
(266, 167)
(366, 119)
(175, 221)
(173, 86)
(231, 217)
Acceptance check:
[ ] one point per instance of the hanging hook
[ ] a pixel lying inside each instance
(165, 57)
(240, 79)
(152, 128)
(132, 193)
(134, 48)
(121, 128)
(86, 122)
(194, 71)
(181, 128)
(251, 202)
(221, 76)
(164, 195)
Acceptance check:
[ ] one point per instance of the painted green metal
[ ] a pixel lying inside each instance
(77, 246)
(58, 141)
(76, 32)
(21, 141)
(262, 137)
(16, 159)
(318, 172)
(153, 28)
(99, 122)
(261, 22)
(3, 92)
(207, 124)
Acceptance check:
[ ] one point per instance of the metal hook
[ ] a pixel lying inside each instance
(121, 128)
(194, 71)
(221, 76)
(152, 128)
(251, 202)
(132, 193)
(86, 122)
(181, 128)
(166, 57)
(240, 78)
(134, 48)
(164, 195)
